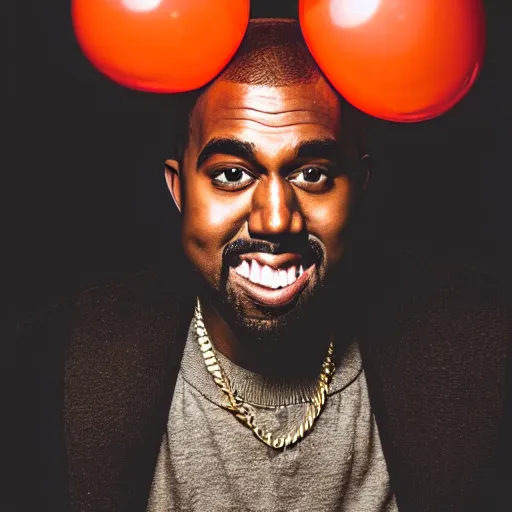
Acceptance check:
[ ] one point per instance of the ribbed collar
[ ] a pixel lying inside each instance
(259, 389)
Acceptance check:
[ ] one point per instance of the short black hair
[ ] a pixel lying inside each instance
(272, 53)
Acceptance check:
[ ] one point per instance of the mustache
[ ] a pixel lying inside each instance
(310, 248)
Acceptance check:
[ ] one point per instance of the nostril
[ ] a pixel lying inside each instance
(297, 223)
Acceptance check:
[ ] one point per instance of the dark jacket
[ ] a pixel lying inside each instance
(434, 340)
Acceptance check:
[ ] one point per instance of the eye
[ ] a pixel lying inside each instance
(232, 178)
(314, 179)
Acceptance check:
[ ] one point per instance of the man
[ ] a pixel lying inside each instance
(243, 385)
(265, 188)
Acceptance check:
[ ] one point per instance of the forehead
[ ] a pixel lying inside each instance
(261, 114)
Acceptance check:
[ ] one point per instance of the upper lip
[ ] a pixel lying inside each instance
(274, 261)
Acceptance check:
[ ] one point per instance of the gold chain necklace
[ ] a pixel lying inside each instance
(243, 412)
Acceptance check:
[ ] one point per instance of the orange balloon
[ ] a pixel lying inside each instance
(399, 60)
(161, 46)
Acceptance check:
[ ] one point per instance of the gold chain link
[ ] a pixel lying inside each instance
(242, 411)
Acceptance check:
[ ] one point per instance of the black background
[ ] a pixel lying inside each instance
(86, 195)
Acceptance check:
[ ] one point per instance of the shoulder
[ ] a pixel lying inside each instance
(420, 277)
(439, 307)
(129, 305)
(96, 373)
(118, 329)
(435, 350)
(120, 324)
(102, 338)
(119, 303)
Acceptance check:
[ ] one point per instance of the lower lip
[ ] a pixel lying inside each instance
(269, 296)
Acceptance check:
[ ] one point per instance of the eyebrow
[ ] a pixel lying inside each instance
(316, 148)
(227, 146)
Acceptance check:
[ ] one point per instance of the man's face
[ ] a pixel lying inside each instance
(265, 196)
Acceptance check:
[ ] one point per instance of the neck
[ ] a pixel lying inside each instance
(283, 356)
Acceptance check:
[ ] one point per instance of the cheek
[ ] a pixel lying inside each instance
(328, 217)
(210, 220)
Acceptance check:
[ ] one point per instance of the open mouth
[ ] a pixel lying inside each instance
(271, 280)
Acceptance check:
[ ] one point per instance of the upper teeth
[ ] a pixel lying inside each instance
(267, 276)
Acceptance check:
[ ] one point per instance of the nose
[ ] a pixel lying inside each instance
(275, 210)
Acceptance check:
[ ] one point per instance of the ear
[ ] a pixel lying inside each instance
(173, 179)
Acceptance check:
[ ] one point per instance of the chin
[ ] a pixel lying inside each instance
(270, 322)
(269, 296)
